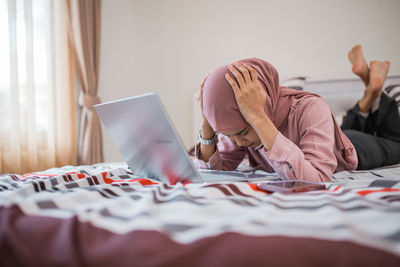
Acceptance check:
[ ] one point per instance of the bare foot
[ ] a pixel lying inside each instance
(360, 67)
(377, 75)
(373, 90)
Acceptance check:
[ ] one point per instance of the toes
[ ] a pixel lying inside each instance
(356, 48)
(373, 63)
(355, 51)
(382, 66)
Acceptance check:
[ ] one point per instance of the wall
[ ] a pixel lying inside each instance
(168, 46)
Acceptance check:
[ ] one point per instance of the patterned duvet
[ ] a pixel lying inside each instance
(102, 215)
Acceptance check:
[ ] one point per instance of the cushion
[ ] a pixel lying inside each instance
(296, 83)
(393, 91)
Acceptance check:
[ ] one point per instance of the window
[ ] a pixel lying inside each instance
(37, 115)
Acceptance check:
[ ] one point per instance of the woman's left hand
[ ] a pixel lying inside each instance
(249, 93)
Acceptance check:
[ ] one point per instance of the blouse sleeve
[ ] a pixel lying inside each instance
(227, 156)
(313, 159)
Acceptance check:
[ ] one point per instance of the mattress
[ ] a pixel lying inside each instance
(103, 215)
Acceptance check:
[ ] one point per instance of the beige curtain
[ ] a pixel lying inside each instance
(37, 110)
(84, 24)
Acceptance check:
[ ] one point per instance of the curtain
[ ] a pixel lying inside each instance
(84, 26)
(37, 100)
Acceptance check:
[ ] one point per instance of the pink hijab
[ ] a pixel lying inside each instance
(222, 112)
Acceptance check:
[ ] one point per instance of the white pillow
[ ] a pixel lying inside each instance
(393, 91)
(296, 83)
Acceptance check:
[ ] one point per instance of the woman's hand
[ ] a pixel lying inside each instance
(200, 97)
(206, 151)
(251, 98)
(206, 131)
(249, 93)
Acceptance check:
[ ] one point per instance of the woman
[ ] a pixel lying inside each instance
(290, 132)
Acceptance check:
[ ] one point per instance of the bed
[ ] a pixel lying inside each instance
(103, 215)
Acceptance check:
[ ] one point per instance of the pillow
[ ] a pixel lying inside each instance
(296, 83)
(393, 91)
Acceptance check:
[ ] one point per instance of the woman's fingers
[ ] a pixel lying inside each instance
(244, 74)
(253, 72)
(232, 82)
(237, 75)
(200, 97)
(204, 81)
(244, 71)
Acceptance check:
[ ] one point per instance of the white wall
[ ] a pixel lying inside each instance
(168, 46)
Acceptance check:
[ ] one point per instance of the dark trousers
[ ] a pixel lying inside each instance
(377, 137)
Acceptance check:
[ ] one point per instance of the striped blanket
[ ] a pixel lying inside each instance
(103, 215)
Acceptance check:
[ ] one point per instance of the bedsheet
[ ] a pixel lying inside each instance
(103, 215)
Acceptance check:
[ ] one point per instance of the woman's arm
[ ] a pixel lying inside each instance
(227, 157)
(224, 155)
(206, 151)
(313, 157)
(266, 130)
(251, 97)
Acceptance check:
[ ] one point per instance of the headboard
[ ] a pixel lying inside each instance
(342, 94)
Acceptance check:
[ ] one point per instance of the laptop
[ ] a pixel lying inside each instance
(151, 146)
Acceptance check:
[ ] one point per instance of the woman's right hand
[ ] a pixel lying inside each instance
(206, 130)
(200, 97)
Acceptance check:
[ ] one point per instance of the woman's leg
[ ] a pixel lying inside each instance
(373, 151)
(387, 119)
(353, 119)
(360, 66)
(373, 79)
(377, 77)
(376, 136)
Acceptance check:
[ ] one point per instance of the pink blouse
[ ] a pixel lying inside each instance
(307, 153)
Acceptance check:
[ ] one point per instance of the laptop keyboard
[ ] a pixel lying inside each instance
(234, 176)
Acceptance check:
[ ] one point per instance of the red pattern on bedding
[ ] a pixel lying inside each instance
(99, 216)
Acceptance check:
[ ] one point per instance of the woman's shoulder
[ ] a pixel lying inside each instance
(311, 103)
(310, 111)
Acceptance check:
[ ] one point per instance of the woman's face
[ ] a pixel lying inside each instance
(243, 137)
